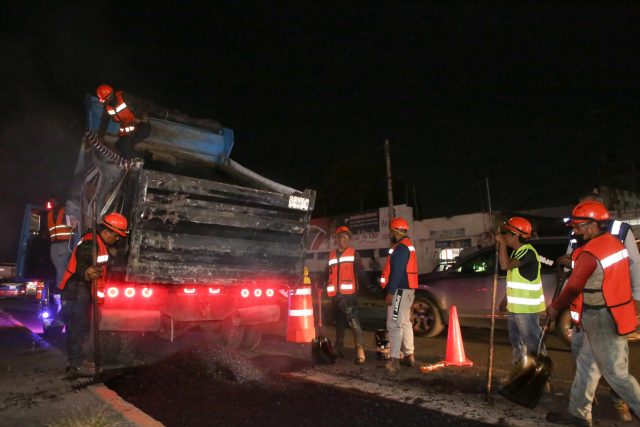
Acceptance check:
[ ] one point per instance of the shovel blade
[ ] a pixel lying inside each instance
(322, 351)
(527, 386)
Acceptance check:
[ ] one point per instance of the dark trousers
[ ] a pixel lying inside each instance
(345, 312)
(127, 144)
(75, 315)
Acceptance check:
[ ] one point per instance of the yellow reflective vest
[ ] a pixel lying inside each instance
(524, 296)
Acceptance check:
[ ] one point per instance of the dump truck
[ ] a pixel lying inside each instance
(211, 244)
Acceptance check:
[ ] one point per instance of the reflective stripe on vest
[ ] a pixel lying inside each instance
(102, 258)
(59, 231)
(523, 295)
(616, 281)
(615, 227)
(411, 268)
(575, 307)
(342, 273)
(614, 258)
(122, 114)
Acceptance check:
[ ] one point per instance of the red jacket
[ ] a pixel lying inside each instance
(103, 257)
(616, 284)
(342, 276)
(412, 265)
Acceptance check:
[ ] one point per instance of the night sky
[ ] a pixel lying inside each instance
(544, 99)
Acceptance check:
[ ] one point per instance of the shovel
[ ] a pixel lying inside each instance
(526, 387)
(321, 348)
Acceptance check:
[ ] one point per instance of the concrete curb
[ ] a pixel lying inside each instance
(100, 391)
(131, 412)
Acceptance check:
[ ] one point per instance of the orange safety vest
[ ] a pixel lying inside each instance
(59, 231)
(122, 114)
(616, 283)
(342, 275)
(412, 265)
(103, 257)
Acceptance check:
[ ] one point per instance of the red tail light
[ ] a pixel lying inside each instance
(112, 292)
(214, 291)
(129, 292)
(244, 293)
(257, 292)
(270, 292)
(147, 292)
(189, 290)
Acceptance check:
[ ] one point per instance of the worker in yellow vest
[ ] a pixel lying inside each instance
(524, 296)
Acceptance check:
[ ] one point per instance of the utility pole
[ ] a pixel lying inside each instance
(387, 156)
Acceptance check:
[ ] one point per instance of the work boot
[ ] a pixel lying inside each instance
(409, 360)
(73, 372)
(393, 365)
(622, 410)
(633, 336)
(360, 355)
(566, 418)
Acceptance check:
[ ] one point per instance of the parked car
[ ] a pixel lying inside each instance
(468, 285)
(10, 287)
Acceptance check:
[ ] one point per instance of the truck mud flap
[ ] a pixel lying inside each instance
(256, 315)
(130, 320)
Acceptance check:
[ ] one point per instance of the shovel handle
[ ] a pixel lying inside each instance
(320, 310)
(547, 323)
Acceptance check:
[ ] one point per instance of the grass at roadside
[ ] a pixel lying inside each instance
(86, 418)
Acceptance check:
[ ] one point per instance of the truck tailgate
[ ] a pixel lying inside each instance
(189, 230)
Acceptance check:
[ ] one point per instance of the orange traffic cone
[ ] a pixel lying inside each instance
(455, 349)
(300, 326)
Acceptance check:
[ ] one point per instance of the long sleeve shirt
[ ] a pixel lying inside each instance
(586, 264)
(398, 275)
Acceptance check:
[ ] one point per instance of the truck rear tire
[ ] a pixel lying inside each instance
(118, 347)
(223, 333)
(252, 337)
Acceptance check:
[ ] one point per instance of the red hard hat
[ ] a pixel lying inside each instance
(116, 222)
(518, 225)
(103, 92)
(399, 224)
(589, 211)
(343, 229)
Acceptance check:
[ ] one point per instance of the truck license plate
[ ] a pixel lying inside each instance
(300, 203)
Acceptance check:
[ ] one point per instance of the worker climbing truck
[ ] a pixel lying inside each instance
(211, 244)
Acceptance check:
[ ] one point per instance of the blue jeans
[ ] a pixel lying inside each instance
(601, 352)
(524, 335)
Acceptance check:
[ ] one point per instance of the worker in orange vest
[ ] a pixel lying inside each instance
(76, 287)
(400, 280)
(130, 113)
(345, 275)
(601, 299)
(60, 227)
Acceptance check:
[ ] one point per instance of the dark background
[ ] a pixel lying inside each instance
(540, 97)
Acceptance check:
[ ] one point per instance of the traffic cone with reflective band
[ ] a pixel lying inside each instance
(455, 349)
(300, 325)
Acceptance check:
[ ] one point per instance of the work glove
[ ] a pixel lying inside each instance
(93, 273)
